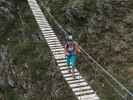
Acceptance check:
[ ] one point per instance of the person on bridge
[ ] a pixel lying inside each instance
(71, 51)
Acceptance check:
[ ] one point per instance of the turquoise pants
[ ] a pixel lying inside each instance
(71, 61)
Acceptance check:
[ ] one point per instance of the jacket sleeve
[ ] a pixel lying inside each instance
(78, 48)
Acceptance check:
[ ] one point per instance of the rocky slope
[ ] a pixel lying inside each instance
(104, 29)
(27, 68)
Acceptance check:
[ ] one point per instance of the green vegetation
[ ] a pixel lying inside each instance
(30, 63)
(103, 28)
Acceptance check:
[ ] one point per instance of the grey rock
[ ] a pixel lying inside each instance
(3, 84)
(11, 82)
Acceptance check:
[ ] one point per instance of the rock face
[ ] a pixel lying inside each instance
(27, 68)
(6, 14)
(3, 65)
(7, 18)
(3, 54)
(103, 28)
(105, 25)
(6, 22)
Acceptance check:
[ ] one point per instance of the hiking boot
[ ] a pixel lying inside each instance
(77, 77)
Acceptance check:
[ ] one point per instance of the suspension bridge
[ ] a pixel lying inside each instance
(80, 87)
